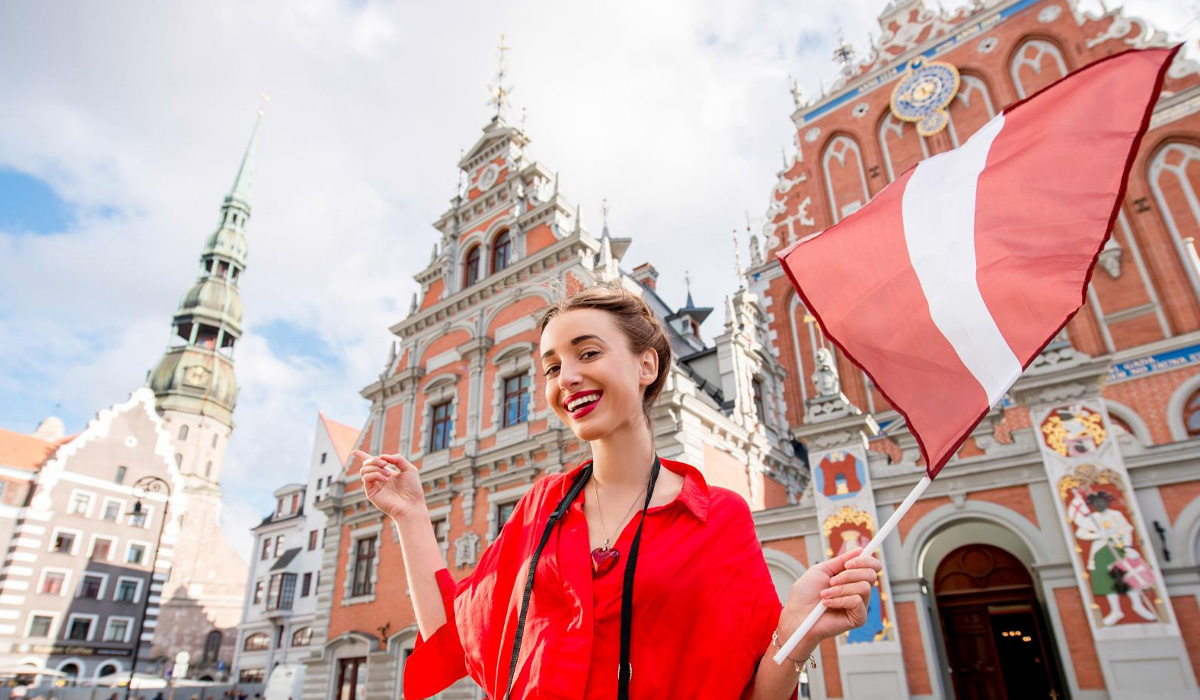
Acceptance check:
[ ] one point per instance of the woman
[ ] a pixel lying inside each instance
(675, 599)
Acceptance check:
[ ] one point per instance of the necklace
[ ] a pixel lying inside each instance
(603, 558)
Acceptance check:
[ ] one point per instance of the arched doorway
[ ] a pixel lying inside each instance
(996, 641)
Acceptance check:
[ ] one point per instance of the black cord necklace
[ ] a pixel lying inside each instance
(624, 669)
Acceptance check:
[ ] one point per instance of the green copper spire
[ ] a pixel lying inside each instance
(240, 193)
(196, 373)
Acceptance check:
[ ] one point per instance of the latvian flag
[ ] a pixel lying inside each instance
(951, 280)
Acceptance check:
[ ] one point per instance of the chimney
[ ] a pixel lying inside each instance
(646, 275)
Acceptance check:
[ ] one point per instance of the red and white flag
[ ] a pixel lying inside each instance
(951, 280)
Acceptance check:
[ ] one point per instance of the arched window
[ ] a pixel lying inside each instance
(183, 431)
(845, 177)
(256, 642)
(1175, 184)
(1191, 414)
(106, 670)
(501, 251)
(474, 260)
(302, 637)
(212, 647)
(1035, 65)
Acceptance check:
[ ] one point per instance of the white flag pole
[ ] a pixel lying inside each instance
(871, 548)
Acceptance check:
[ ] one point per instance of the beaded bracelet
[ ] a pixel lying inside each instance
(812, 660)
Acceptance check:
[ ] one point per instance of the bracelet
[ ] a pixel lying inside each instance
(812, 660)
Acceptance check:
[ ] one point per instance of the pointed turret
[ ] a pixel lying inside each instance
(195, 375)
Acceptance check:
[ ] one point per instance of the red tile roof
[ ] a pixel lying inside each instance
(25, 451)
(344, 437)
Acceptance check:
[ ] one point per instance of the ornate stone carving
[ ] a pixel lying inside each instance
(466, 548)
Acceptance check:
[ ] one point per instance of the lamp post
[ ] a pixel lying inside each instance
(147, 484)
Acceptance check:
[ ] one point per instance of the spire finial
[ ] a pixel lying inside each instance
(737, 261)
(240, 192)
(687, 282)
(797, 93)
(524, 116)
(843, 53)
(500, 90)
(604, 216)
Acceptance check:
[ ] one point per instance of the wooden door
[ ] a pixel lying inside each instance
(974, 664)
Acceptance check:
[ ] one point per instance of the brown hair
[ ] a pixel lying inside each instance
(636, 320)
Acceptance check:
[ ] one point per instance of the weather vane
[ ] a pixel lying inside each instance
(500, 91)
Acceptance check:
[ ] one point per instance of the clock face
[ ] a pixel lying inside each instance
(196, 375)
(923, 95)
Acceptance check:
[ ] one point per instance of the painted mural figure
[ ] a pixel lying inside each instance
(848, 529)
(1116, 568)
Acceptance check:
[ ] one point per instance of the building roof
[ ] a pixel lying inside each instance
(25, 451)
(343, 437)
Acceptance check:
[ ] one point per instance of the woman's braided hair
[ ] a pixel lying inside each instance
(634, 317)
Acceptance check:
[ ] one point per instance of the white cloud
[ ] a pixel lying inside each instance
(675, 112)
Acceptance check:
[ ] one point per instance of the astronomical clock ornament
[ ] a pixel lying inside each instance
(924, 93)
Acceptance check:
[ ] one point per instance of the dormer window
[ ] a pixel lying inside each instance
(474, 260)
(501, 251)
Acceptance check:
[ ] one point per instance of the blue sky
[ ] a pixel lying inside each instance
(124, 123)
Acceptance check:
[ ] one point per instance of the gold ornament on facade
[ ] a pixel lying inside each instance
(1057, 434)
(1087, 476)
(848, 515)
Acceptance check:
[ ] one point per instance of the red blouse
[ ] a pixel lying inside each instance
(704, 606)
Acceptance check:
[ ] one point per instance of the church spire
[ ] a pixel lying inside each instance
(195, 375)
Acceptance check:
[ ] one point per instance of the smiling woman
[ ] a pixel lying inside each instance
(31, 206)
(693, 607)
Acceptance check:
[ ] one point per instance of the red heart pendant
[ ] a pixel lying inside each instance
(603, 560)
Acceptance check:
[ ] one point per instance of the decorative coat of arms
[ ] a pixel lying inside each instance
(924, 94)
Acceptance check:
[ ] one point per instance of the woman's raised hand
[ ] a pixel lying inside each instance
(843, 584)
(392, 483)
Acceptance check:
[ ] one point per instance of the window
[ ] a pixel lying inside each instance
(266, 549)
(472, 266)
(305, 584)
(278, 545)
(516, 399)
(120, 478)
(504, 511)
(252, 675)
(106, 670)
(258, 591)
(256, 642)
(351, 680)
(112, 510)
(302, 637)
(102, 548)
(212, 647)
(140, 517)
(281, 592)
(441, 531)
(295, 503)
(64, 542)
(439, 429)
(39, 625)
(208, 469)
(183, 432)
(136, 554)
(91, 586)
(756, 386)
(81, 503)
(364, 566)
(323, 456)
(117, 629)
(1191, 414)
(79, 627)
(312, 540)
(52, 582)
(128, 590)
(501, 249)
